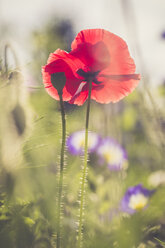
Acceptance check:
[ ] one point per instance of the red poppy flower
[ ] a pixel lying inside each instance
(96, 54)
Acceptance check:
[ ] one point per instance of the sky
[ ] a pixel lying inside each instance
(20, 17)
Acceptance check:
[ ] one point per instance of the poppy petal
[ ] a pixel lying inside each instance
(120, 60)
(119, 75)
(113, 90)
(80, 98)
(95, 56)
(61, 61)
(110, 89)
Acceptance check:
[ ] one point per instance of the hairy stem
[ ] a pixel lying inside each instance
(84, 173)
(59, 206)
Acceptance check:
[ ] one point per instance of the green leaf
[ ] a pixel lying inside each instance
(28, 221)
(161, 242)
(58, 81)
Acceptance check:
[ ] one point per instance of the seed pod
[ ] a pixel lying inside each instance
(15, 76)
(58, 81)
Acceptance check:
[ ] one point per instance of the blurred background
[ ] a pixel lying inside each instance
(19, 18)
(30, 127)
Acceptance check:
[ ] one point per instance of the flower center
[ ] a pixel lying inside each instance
(107, 156)
(138, 201)
(89, 75)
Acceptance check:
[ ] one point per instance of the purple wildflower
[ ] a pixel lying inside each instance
(112, 154)
(135, 198)
(76, 142)
(163, 35)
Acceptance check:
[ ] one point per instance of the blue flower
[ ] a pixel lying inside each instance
(163, 35)
(112, 154)
(76, 142)
(135, 198)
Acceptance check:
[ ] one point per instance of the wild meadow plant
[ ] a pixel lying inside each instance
(99, 67)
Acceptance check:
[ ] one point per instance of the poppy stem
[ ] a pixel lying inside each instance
(60, 189)
(84, 172)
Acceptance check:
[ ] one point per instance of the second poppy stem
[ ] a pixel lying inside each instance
(61, 172)
(82, 190)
